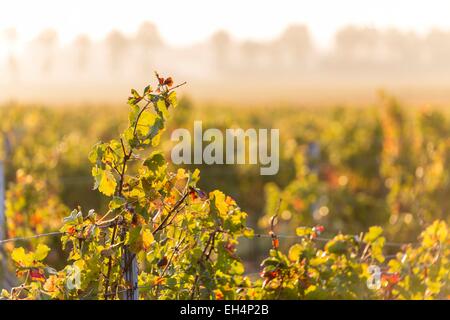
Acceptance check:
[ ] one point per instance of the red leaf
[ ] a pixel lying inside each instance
(319, 229)
(168, 82)
(275, 243)
(269, 275)
(71, 231)
(37, 275)
(391, 278)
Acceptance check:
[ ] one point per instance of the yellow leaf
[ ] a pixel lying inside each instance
(18, 255)
(377, 249)
(248, 233)
(442, 232)
(107, 183)
(195, 176)
(303, 232)
(161, 105)
(147, 239)
(173, 99)
(395, 265)
(41, 252)
(294, 252)
(373, 234)
(181, 174)
(146, 121)
(219, 202)
(310, 289)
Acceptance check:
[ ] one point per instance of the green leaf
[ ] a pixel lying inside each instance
(337, 246)
(91, 215)
(140, 239)
(270, 262)
(96, 154)
(195, 177)
(147, 89)
(73, 217)
(135, 98)
(135, 93)
(116, 203)
(236, 268)
(155, 131)
(134, 112)
(155, 161)
(5, 294)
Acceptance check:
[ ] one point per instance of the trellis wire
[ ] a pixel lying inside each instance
(134, 289)
(36, 236)
(256, 236)
(322, 239)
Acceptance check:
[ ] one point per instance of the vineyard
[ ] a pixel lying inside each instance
(94, 208)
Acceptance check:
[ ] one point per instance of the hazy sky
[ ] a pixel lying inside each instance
(182, 22)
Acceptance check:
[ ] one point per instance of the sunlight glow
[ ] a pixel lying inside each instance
(184, 22)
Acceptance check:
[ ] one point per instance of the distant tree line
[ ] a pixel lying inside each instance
(355, 51)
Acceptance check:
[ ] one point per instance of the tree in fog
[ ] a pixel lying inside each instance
(250, 54)
(404, 47)
(220, 43)
(356, 45)
(294, 48)
(363, 47)
(46, 45)
(82, 47)
(148, 41)
(116, 44)
(437, 46)
(10, 36)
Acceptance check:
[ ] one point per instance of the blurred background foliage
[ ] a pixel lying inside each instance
(346, 168)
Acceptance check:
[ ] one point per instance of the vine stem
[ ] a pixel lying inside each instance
(129, 257)
(177, 86)
(210, 241)
(175, 207)
(126, 157)
(108, 275)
